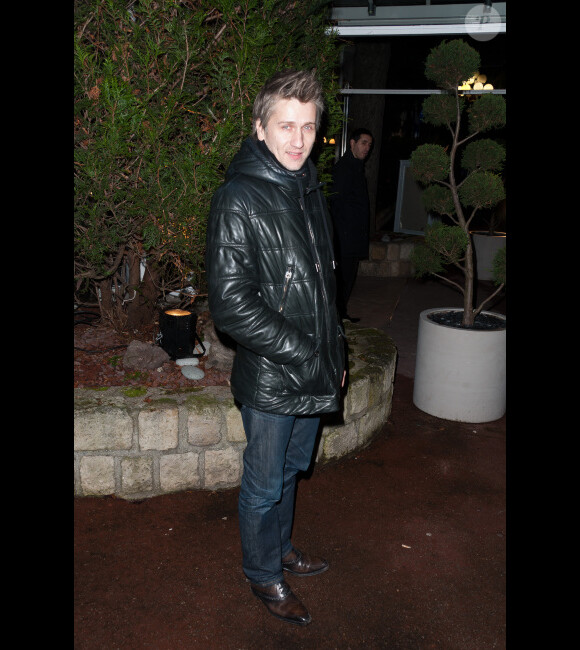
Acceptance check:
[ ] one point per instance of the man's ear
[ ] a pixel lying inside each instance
(260, 129)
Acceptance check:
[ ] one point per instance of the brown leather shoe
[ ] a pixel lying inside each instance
(282, 603)
(301, 564)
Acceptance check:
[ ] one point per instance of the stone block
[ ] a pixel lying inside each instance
(357, 396)
(339, 441)
(136, 474)
(393, 251)
(179, 472)
(371, 422)
(204, 424)
(102, 428)
(377, 385)
(235, 426)
(406, 250)
(377, 251)
(97, 475)
(158, 428)
(223, 468)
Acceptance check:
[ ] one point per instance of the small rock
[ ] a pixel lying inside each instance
(144, 356)
(187, 361)
(192, 372)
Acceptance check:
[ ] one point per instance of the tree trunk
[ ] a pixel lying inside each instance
(142, 294)
(110, 305)
(468, 317)
(105, 297)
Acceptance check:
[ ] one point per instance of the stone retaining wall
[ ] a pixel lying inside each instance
(390, 259)
(142, 443)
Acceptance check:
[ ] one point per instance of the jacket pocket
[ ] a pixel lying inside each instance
(309, 378)
(321, 374)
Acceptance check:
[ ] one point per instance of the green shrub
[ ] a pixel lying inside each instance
(163, 91)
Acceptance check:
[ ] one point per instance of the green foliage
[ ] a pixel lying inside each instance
(441, 110)
(163, 94)
(443, 245)
(488, 112)
(439, 199)
(483, 155)
(429, 163)
(450, 63)
(425, 261)
(499, 267)
(482, 190)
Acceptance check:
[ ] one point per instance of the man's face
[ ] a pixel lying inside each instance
(360, 148)
(290, 132)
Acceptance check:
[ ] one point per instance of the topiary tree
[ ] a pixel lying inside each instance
(457, 188)
(163, 94)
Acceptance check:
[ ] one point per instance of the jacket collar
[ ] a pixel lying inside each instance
(255, 160)
(272, 160)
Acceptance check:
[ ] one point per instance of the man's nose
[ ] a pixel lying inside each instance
(297, 139)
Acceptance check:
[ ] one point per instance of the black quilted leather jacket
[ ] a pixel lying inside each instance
(272, 288)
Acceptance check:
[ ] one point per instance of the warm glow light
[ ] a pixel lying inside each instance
(331, 141)
(477, 82)
(178, 312)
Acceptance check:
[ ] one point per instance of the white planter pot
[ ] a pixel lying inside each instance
(460, 374)
(486, 246)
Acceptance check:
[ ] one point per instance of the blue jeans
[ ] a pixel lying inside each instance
(279, 446)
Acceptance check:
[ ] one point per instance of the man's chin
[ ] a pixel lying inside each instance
(292, 163)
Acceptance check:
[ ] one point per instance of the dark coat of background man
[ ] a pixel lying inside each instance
(349, 205)
(272, 288)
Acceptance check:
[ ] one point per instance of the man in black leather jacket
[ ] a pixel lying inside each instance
(270, 271)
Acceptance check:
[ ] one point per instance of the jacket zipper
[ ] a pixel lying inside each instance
(317, 265)
(287, 279)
